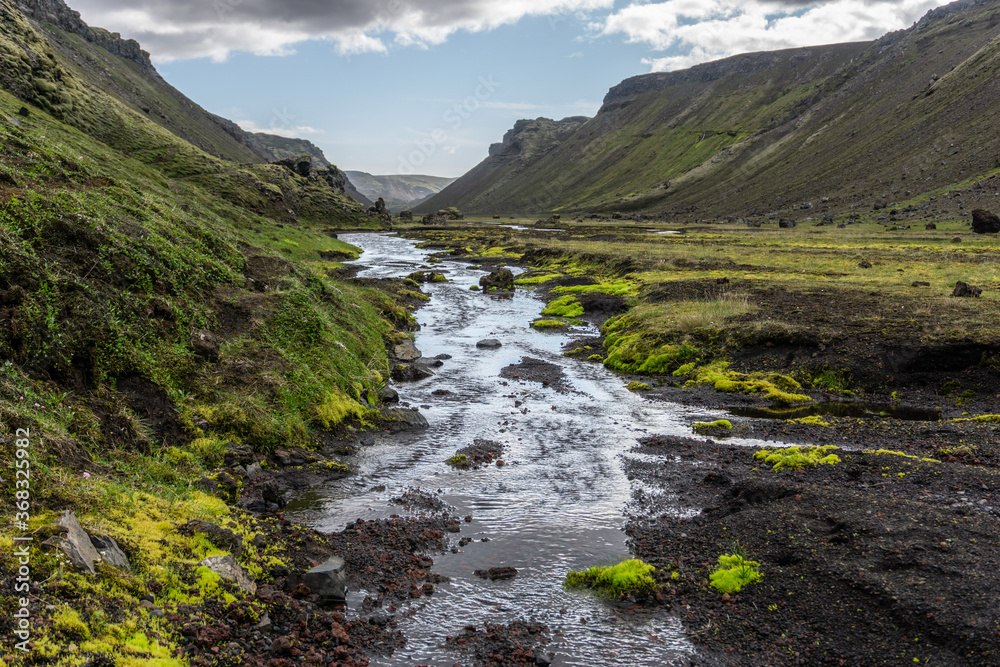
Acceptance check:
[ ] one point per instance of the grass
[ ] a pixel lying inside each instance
(628, 577)
(735, 572)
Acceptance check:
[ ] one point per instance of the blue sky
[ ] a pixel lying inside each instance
(425, 86)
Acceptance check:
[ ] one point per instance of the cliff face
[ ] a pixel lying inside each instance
(57, 13)
(481, 189)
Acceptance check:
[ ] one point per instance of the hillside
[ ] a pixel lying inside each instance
(275, 147)
(853, 125)
(485, 188)
(399, 191)
(160, 308)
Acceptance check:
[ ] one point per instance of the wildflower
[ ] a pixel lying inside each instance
(86, 475)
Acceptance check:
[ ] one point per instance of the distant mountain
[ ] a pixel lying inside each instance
(848, 127)
(485, 187)
(399, 192)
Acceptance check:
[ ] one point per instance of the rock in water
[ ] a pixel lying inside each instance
(984, 222)
(406, 351)
(401, 419)
(501, 279)
(76, 544)
(328, 580)
(966, 290)
(227, 568)
(489, 344)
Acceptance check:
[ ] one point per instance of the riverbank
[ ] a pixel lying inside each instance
(884, 557)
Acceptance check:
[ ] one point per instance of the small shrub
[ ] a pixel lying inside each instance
(628, 576)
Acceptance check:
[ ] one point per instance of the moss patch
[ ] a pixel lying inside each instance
(792, 458)
(626, 578)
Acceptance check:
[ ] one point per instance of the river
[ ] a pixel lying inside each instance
(559, 504)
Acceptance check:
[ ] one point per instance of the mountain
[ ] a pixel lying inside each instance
(854, 126)
(485, 188)
(400, 192)
(276, 147)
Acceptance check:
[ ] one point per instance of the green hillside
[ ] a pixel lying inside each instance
(851, 125)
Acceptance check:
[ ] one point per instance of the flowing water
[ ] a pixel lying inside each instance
(560, 502)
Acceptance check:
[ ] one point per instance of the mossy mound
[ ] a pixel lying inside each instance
(734, 573)
(626, 578)
(791, 458)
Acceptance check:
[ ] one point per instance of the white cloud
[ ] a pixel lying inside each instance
(695, 32)
(179, 29)
(575, 54)
(280, 130)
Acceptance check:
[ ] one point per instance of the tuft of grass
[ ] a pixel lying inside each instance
(627, 577)
(735, 572)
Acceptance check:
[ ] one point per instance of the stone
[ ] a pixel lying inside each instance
(337, 255)
(227, 568)
(930, 225)
(388, 395)
(206, 345)
(406, 351)
(110, 552)
(328, 580)
(76, 544)
(495, 573)
(411, 372)
(221, 537)
(500, 279)
(299, 165)
(402, 419)
(966, 290)
(920, 283)
(254, 471)
(864, 264)
(23, 111)
(489, 344)
(786, 224)
(984, 222)
(222, 485)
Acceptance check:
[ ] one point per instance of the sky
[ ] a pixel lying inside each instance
(425, 86)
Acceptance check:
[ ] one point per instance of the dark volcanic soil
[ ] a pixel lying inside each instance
(880, 559)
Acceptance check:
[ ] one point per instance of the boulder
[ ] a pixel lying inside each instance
(222, 485)
(76, 544)
(966, 290)
(984, 222)
(495, 573)
(328, 580)
(388, 395)
(299, 165)
(111, 552)
(786, 224)
(406, 351)
(221, 537)
(930, 225)
(501, 279)
(411, 372)
(254, 470)
(337, 255)
(227, 568)
(489, 344)
(206, 345)
(23, 111)
(402, 419)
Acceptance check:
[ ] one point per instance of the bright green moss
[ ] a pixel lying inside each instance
(811, 420)
(890, 452)
(617, 288)
(336, 407)
(702, 427)
(790, 458)
(734, 573)
(627, 577)
(548, 324)
(566, 306)
(458, 461)
(537, 280)
(635, 385)
(981, 419)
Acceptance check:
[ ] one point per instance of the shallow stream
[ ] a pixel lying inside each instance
(559, 504)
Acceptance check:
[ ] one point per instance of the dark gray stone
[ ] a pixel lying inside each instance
(411, 372)
(206, 345)
(221, 537)
(328, 580)
(388, 395)
(985, 222)
(76, 544)
(111, 552)
(489, 344)
(227, 568)
(966, 290)
(402, 419)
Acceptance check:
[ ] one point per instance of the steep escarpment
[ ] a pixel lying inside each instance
(486, 186)
(895, 121)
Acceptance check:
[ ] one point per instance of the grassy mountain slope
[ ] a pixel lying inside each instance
(399, 191)
(158, 305)
(852, 123)
(490, 184)
(103, 61)
(277, 148)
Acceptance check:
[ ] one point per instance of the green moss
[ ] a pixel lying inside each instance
(811, 420)
(981, 419)
(890, 452)
(635, 385)
(566, 306)
(617, 288)
(70, 624)
(549, 324)
(708, 427)
(337, 407)
(595, 357)
(735, 572)
(537, 280)
(791, 458)
(459, 461)
(627, 577)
